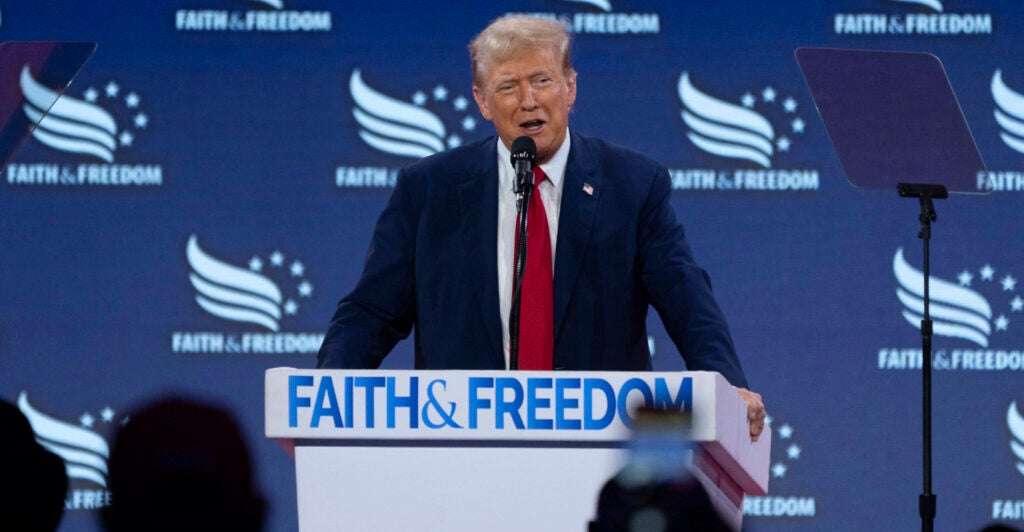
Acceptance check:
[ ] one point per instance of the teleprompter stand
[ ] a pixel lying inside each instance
(894, 122)
(925, 194)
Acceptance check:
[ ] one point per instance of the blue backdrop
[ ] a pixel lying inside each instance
(231, 156)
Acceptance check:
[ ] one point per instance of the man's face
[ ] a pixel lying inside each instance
(528, 95)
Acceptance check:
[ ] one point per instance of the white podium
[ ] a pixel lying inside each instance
(491, 450)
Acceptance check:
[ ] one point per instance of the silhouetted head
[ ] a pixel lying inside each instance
(181, 465)
(35, 481)
(667, 506)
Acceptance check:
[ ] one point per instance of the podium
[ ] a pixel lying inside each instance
(494, 450)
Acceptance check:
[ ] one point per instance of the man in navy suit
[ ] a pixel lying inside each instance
(441, 256)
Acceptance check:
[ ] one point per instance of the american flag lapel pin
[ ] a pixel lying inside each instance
(588, 189)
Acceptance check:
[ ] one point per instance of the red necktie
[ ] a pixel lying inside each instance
(537, 318)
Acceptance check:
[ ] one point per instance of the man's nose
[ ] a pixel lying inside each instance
(528, 101)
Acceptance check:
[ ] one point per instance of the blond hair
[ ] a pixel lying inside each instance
(513, 35)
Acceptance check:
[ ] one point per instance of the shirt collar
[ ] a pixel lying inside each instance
(554, 168)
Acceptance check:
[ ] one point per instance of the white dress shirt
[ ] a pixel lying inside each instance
(551, 195)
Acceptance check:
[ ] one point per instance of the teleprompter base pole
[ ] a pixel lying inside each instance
(925, 194)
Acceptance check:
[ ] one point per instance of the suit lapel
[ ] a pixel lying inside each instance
(580, 194)
(478, 202)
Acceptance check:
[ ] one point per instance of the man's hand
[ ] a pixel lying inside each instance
(755, 412)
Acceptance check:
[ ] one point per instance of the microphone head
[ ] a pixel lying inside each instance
(523, 149)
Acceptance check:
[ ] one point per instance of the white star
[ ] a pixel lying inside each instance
(86, 420)
(460, 103)
(779, 470)
(440, 93)
(768, 94)
(141, 120)
(107, 414)
(1009, 283)
(785, 431)
(297, 269)
(793, 452)
(798, 125)
(290, 307)
(1002, 322)
(419, 98)
(112, 89)
(276, 259)
(783, 144)
(768, 420)
(987, 272)
(454, 141)
(256, 264)
(305, 289)
(469, 123)
(132, 100)
(126, 138)
(91, 94)
(789, 104)
(1017, 304)
(748, 100)
(965, 278)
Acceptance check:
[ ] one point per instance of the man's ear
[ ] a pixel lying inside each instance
(481, 102)
(571, 82)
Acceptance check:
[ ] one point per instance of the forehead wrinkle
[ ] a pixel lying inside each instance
(501, 78)
(502, 75)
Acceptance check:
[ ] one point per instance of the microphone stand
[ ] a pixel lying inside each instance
(524, 190)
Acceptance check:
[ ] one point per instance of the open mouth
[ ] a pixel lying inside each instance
(532, 125)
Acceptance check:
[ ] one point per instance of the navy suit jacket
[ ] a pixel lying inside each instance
(432, 266)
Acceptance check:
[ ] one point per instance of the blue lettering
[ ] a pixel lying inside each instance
(589, 421)
(349, 400)
(563, 403)
(502, 407)
(533, 403)
(326, 392)
(370, 383)
(630, 385)
(446, 414)
(410, 401)
(475, 402)
(294, 401)
(663, 397)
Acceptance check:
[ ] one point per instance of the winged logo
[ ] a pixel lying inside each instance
(725, 129)
(72, 125)
(231, 292)
(1016, 424)
(1009, 112)
(933, 4)
(393, 126)
(84, 452)
(604, 5)
(956, 311)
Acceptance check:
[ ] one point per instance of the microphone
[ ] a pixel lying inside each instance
(524, 153)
